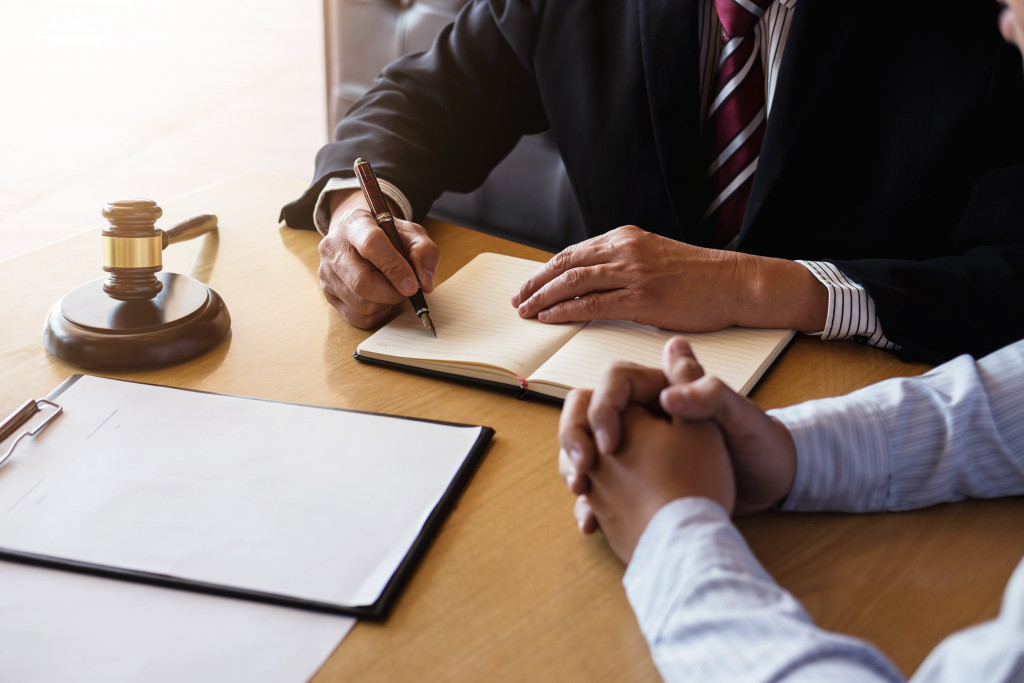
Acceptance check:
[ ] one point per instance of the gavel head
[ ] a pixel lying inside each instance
(132, 249)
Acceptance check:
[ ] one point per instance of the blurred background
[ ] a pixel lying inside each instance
(111, 99)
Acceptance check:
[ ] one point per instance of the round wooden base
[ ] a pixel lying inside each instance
(90, 329)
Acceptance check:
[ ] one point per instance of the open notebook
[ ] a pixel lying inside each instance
(480, 336)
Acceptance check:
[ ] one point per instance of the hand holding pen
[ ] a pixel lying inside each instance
(381, 213)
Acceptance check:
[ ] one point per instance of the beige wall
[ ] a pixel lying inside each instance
(126, 98)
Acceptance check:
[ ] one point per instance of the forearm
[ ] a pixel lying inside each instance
(710, 612)
(956, 432)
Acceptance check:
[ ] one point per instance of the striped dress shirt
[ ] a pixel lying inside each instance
(710, 612)
(850, 312)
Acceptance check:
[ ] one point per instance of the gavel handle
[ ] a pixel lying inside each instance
(187, 229)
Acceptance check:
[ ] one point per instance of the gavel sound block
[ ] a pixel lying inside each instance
(137, 316)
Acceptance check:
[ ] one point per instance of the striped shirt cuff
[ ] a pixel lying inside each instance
(687, 539)
(322, 210)
(842, 455)
(851, 310)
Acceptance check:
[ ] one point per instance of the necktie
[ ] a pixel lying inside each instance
(736, 115)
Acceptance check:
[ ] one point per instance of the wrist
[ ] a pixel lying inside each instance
(786, 471)
(783, 294)
(342, 200)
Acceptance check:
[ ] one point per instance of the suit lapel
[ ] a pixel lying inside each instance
(818, 34)
(670, 47)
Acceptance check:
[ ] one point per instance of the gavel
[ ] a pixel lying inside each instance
(133, 246)
(138, 316)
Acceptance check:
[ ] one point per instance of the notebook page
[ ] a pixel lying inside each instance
(476, 323)
(738, 356)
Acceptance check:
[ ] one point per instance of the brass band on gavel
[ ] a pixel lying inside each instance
(133, 246)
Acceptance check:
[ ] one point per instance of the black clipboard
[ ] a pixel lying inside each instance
(37, 415)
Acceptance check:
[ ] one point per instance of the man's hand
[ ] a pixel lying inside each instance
(630, 274)
(361, 274)
(657, 462)
(592, 420)
(761, 450)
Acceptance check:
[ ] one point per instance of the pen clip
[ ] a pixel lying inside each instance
(20, 417)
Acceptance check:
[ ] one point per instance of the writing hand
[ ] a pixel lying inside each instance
(361, 274)
(630, 274)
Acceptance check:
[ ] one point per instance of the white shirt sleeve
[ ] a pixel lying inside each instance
(953, 433)
(710, 612)
(322, 214)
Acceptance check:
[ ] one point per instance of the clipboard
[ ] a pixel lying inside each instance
(209, 498)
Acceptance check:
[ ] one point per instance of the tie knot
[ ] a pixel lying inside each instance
(739, 17)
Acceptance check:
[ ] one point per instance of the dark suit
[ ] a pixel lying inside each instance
(891, 149)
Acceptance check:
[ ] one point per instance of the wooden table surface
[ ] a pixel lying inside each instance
(510, 590)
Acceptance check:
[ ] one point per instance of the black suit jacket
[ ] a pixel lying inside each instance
(894, 146)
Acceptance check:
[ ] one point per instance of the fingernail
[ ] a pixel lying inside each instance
(672, 401)
(428, 279)
(409, 286)
(575, 455)
(570, 481)
(604, 440)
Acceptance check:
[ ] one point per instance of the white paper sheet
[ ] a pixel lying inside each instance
(60, 627)
(293, 500)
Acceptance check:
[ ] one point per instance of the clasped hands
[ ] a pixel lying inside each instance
(647, 436)
(624, 274)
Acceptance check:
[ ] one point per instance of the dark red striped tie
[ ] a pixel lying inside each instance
(736, 115)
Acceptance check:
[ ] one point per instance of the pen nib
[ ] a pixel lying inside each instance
(428, 323)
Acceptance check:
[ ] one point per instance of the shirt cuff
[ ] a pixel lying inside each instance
(322, 212)
(684, 541)
(851, 310)
(841, 455)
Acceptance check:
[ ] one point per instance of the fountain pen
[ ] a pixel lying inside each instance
(379, 209)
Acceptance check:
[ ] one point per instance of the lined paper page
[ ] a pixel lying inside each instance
(476, 323)
(737, 356)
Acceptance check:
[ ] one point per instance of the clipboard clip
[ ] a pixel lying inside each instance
(21, 416)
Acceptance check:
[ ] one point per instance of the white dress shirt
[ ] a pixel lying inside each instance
(709, 610)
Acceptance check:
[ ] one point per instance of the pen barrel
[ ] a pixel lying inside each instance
(371, 189)
(382, 214)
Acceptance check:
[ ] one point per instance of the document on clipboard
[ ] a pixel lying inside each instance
(300, 505)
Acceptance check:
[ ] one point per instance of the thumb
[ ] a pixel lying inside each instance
(678, 362)
(701, 399)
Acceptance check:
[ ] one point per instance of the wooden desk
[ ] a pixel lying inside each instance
(510, 590)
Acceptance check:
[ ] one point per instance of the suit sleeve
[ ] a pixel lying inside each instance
(442, 119)
(963, 292)
(934, 308)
